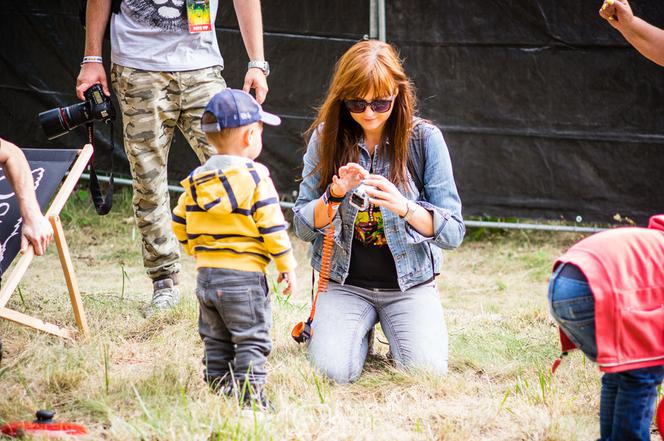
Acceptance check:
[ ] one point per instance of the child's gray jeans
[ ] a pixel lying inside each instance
(234, 322)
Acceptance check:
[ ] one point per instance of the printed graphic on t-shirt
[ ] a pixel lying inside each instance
(369, 228)
(168, 15)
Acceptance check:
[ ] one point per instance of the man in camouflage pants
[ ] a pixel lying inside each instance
(164, 71)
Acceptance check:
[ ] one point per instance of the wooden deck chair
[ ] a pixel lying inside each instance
(49, 167)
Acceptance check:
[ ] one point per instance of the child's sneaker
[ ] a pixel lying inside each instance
(221, 385)
(165, 296)
(255, 405)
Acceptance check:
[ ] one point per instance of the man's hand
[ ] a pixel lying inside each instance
(255, 79)
(645, 37)
(617, 12)
(291, 279)
(36, 230)
(250, 20)
(90, 74)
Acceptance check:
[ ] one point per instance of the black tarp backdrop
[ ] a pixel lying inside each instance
(546, 110)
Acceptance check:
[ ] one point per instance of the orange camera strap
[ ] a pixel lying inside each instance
(302, 332)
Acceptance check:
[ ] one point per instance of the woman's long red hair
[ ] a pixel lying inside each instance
(368, 67)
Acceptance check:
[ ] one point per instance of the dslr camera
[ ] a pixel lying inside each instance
(96, 107)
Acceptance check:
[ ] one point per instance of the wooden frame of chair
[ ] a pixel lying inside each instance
(53, 215)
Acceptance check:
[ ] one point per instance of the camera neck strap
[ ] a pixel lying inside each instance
(103, 203)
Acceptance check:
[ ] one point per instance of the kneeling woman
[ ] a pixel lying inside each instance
(387, 256)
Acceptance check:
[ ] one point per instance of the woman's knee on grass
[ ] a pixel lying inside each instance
(338, 370)
(428, 356)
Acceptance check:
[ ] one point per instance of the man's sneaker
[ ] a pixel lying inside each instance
(166, 295)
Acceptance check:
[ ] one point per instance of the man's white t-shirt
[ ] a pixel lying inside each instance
(154, 35)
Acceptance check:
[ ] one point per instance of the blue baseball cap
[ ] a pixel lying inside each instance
(236, 108)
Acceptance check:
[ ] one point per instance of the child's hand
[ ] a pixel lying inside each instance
(617, 12)
(291, 279)
(348, 177)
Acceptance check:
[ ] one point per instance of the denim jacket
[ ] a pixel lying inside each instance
(417, 258)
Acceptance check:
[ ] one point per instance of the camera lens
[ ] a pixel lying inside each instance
(56, 122)
(51, 122)
(75, 115)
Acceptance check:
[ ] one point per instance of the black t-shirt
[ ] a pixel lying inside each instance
(371, 261)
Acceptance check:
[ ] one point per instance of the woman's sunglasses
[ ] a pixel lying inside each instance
(359, 106)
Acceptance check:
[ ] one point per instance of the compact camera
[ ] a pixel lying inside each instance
(359, 198)
(97, 106)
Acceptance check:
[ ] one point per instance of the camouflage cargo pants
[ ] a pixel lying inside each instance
(152, 105)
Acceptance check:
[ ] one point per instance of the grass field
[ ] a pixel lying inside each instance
(138, 378)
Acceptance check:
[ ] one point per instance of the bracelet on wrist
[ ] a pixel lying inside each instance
(92, 59)
(410, 211)
(334, 195)
(329, 197)
(401, 216)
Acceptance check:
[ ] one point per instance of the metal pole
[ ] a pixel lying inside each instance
(373, 19)
(542, 227)
(468, 223)
(128, 182)
(381, 21)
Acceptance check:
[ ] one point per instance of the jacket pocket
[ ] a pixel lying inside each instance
(642, 333)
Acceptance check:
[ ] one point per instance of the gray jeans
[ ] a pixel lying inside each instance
(234, 322)
(412, 321)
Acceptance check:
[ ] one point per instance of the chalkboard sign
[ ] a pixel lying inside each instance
(48, 167)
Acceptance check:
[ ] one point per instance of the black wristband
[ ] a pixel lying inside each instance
(329, 197)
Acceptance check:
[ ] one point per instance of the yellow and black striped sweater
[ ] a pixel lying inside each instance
(229, 217)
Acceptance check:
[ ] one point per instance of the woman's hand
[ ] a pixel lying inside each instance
(348, 177)
(383, 193)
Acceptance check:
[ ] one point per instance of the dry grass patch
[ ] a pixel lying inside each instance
(138, 378)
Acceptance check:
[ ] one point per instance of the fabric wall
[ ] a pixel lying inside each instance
(547, 112)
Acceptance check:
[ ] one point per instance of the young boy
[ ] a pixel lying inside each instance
(229, 218)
